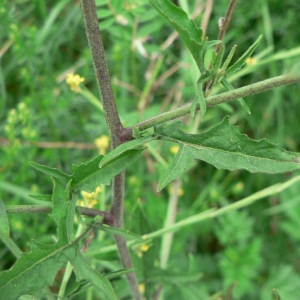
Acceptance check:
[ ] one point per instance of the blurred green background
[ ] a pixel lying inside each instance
(42, 42)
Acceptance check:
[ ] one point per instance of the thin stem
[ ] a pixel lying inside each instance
(68, 145)
(206, 17)
(47, 209)
(226, 23)
(208, 214)
(167, 239)
(245, 91)
(170, 219)
(102, 75)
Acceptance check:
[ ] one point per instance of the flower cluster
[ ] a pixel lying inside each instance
(74, 80)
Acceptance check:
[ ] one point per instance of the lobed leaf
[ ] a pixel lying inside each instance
(168, 129)
(33, 271)
(53, 172)
(88, 176)
(123, 148)
(225, 148)
(61, 209)
(83, 271)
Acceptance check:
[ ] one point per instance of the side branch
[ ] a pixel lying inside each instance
(47, 209)
(245, 91)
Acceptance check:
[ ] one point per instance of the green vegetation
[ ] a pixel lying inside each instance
(211, 209)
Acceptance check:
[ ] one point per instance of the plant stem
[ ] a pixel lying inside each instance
(226, 23)
(102, 75)
(245, 91)
(117, 212)
(47, 209)
(170, 219)
(208, 214)
(115, 130)
(167, 239)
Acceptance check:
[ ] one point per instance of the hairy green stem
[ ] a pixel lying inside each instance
(115, 129)
(245, 91)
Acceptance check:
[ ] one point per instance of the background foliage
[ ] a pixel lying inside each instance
(42, 42)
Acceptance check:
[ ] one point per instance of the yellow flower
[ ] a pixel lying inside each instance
(90, 199)
(142, 288)
(74, 80)
(144, 248)
(180, 191)
(251, 61)
(102, 143)
(174, 149)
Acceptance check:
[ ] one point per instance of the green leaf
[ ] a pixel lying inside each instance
(123, 232)
(71, 214)
(228, 59)
(60, 209)
(242, 60)
(115, 274)
(84, 284)
(275, 295)
(4, 225)
(206, 45)
(35, 270)
(88, 176)
(229, 87)
(78, 288)
(10, 244)
(53, 172)
(217, 60)
(225, 148)
(168, 129)
(83, 271)
(123, 148)
(178, 165)
(178, 19)
(199, 99)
